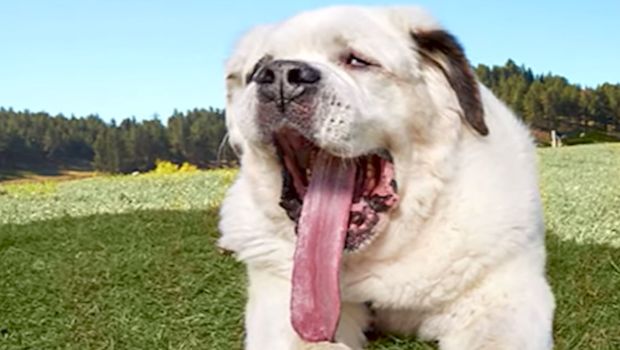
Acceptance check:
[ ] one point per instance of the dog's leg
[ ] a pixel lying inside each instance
(503, 315)
(267, 313)
(267, 318)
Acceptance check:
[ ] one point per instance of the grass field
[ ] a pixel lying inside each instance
(130, 262)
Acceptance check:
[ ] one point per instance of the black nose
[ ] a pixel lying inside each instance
(293, 73)
(283, 82)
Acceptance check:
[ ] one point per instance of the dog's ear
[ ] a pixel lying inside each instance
(443, 50)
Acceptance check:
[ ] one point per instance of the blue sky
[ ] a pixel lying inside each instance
(121, 58)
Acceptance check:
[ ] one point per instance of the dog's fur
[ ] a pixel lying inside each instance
(462, 258)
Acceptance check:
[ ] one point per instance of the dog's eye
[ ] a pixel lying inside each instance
(355, 61)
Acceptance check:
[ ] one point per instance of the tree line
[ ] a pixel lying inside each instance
(35, 139)
(550, 102)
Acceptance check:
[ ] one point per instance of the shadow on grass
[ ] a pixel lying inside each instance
(43, 170)
(16, 174)
(586, 283)
(155, 280)
(145, 280)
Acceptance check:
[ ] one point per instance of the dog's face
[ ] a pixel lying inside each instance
(359, 84)
(334, 74)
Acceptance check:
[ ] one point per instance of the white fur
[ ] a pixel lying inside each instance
(462, 258)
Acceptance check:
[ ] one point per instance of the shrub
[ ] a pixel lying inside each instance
(187, 168)
(163, 167)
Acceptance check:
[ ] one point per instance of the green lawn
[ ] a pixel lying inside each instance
(130, 262)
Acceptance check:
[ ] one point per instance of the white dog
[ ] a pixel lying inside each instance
(381, 188)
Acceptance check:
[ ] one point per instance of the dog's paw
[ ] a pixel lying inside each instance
(323, 346)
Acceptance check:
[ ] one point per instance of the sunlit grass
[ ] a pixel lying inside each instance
(29, 189)
(28, 202)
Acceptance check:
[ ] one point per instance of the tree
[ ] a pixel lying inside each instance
(108, 151)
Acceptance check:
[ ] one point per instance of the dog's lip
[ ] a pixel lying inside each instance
(384, 153)
(301, 142)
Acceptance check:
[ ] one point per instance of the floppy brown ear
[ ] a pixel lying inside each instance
(443, 50)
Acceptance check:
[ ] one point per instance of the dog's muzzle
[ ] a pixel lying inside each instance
(286, 94)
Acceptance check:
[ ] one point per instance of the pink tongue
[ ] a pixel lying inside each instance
(315, 300)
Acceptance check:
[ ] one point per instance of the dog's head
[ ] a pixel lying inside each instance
(361, 84)
(333, 74)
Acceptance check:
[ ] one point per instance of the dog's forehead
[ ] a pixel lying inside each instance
(363, 20)
(379, 31)
(329, 27)
(324, 35)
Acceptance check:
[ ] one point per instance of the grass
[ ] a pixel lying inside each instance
(145, 280)
(29, 202)
(131, 263)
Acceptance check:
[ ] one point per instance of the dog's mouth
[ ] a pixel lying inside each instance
(374, 187)
(337, 205)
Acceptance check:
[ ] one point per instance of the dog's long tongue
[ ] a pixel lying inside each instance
(315, 299)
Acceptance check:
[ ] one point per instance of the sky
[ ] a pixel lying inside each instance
(123, 58)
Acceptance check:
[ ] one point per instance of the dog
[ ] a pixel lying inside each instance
(382, 189)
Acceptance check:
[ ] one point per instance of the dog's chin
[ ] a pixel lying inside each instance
(374, 190)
